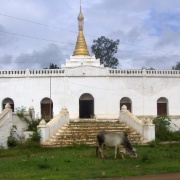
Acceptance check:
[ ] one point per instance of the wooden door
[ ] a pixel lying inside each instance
(161, 109)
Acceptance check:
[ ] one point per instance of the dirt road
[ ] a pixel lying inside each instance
(168, 176)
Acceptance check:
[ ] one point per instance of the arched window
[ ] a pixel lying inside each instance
(127, 102)
(162, 106)
(10, 101)
(46, 108)
(86, 106)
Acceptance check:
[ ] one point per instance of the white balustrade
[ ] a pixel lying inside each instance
(110, 72)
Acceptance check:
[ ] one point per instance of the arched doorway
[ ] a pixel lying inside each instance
(10, 101)
(46, 108)
(127, 102)
(162, 106)
(86, 106)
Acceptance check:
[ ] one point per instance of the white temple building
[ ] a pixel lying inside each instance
(88, 89)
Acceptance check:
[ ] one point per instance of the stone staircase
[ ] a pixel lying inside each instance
(84, 131)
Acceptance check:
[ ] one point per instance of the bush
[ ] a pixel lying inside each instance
(12, 140)
(162, 123)
(162, 129)
(36, 136)
(32, 123)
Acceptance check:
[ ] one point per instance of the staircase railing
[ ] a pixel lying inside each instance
(4, 116)
(5, 120)
(146, 130)
(48, 129)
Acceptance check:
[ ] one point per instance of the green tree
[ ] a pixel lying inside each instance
(177, 67)
(52, 66)
(104, 49)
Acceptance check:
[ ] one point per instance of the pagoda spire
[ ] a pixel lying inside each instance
(81, 47)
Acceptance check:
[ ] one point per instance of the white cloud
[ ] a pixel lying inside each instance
(36, 59)
(148, 31)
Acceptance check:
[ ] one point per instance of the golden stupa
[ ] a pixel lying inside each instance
(81, 47)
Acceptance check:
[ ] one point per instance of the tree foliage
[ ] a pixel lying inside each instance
(104, 49)
(52, 66)
(177, 67)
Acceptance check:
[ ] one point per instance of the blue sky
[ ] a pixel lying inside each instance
(148, 30)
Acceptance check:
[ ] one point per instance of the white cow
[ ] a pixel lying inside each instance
(118, 140)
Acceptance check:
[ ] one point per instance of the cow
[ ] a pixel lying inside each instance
(118, 140)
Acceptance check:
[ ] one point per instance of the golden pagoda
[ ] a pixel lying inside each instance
(81, 47)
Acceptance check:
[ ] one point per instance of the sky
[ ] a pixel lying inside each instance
(35, 33)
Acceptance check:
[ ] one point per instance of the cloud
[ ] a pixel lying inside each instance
(161, 62)
(36, 59)
(148, 31)
(138, 61)
(168, 38)
(5, 39)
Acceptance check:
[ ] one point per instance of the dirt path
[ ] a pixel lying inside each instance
(168, 176)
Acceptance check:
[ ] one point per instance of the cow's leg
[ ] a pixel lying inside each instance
(100, 141)
(122, 155)
(115, 153)
(121, 151)
(101, 151)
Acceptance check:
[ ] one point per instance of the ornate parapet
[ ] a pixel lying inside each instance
(32, 73)
(144, 72)
(87, 61)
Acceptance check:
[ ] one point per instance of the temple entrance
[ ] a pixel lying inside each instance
(86, 106)
(46, 108)
(162, 106)
(10, 101)
(127, 102)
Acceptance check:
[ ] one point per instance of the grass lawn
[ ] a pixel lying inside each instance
(80, 162)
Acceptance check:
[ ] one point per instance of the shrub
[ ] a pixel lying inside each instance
(162, 129)
(162, 123)
(32, 123)
(36, 136)
(12, 140)
(32, 126)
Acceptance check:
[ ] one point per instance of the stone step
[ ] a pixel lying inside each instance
(86, 138)
(86, 133)
(93, 120)
(80, 140)
(78, 132)
(67, 136)
(94, 125)
(96, 129)
(71, 142)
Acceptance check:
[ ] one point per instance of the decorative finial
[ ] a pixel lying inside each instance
(81, 47)
(80, 5)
